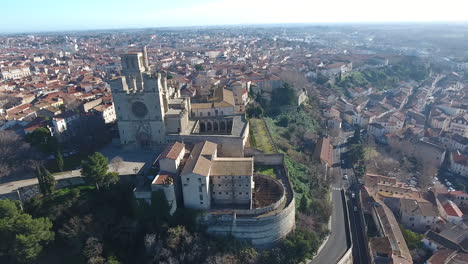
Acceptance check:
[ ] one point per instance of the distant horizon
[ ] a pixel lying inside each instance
(207, 26)
(31, 16)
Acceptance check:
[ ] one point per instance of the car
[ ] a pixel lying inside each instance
(353, 195)
(345, 176)
(449, 183)
(355, 208)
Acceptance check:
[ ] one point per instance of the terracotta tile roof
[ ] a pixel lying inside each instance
(324, 151)
(460, 158)
(199, 161)
(232, 167)
(441, 256)
(172, 151)
(452, 209)
(164, 178)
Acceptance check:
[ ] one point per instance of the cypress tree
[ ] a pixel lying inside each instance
(40, 179)
(59, 160)
(49, 181)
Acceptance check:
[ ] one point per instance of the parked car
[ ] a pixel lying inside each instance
(353, 195)
(355, 208)
(345, 176)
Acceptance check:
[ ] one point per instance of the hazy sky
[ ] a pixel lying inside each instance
(45, 15)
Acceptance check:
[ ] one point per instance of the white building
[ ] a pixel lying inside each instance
(107, 112)
(15, 73)
(454, 214)
(207, 178)
(417, 215)
(459, 163)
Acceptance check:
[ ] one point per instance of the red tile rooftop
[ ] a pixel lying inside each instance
(164, 178)
(172, 151)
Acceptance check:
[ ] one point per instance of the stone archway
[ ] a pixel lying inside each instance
(209, 127)
(229, 125)
(222, 126)
(202, 127)
(215, 126)
(144, 139)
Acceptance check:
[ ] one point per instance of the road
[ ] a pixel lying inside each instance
(336, 244)
(132, 161)
(356, 218)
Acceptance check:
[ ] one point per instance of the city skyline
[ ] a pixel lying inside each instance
(53, 15)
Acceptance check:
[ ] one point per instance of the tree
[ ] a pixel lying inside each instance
(42, 139)
(46, 180)
(304, 204)
(95, 169)
(116, 162)
(59, 160)
(93, 251)
(356, 139)
(283, 96)
(412, 239)
(22, 236)
(16, 155)
(199, 67)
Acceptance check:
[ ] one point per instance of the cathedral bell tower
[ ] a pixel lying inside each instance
(139, 103)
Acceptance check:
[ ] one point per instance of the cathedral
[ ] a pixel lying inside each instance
(150, 112)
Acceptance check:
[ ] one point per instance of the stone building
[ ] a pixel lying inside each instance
(151, 112)
(209, 181)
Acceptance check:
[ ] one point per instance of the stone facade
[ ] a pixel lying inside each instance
(150, 112)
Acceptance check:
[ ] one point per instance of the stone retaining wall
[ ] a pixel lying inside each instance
(262, 231)
(347, 257)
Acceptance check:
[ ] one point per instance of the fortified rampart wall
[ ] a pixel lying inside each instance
(260, 230)
(263, 227)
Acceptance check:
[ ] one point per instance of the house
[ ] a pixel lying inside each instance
(324, 152)
(241, 97)
(65, 124)
(459, 163)
(454, 213)
(390, 246)
(106, 111)
(417, 215)
(447, 236)
(459, 125)
(165, 182)
(331, 112)
(454, 141)
(171, 157)
(335, 68)
(459, 198)
(376, 130)
(447, 256)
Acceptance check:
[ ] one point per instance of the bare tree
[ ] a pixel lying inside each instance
(16, 156)
(116, 162)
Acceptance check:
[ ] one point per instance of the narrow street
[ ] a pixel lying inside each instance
(336, 245)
